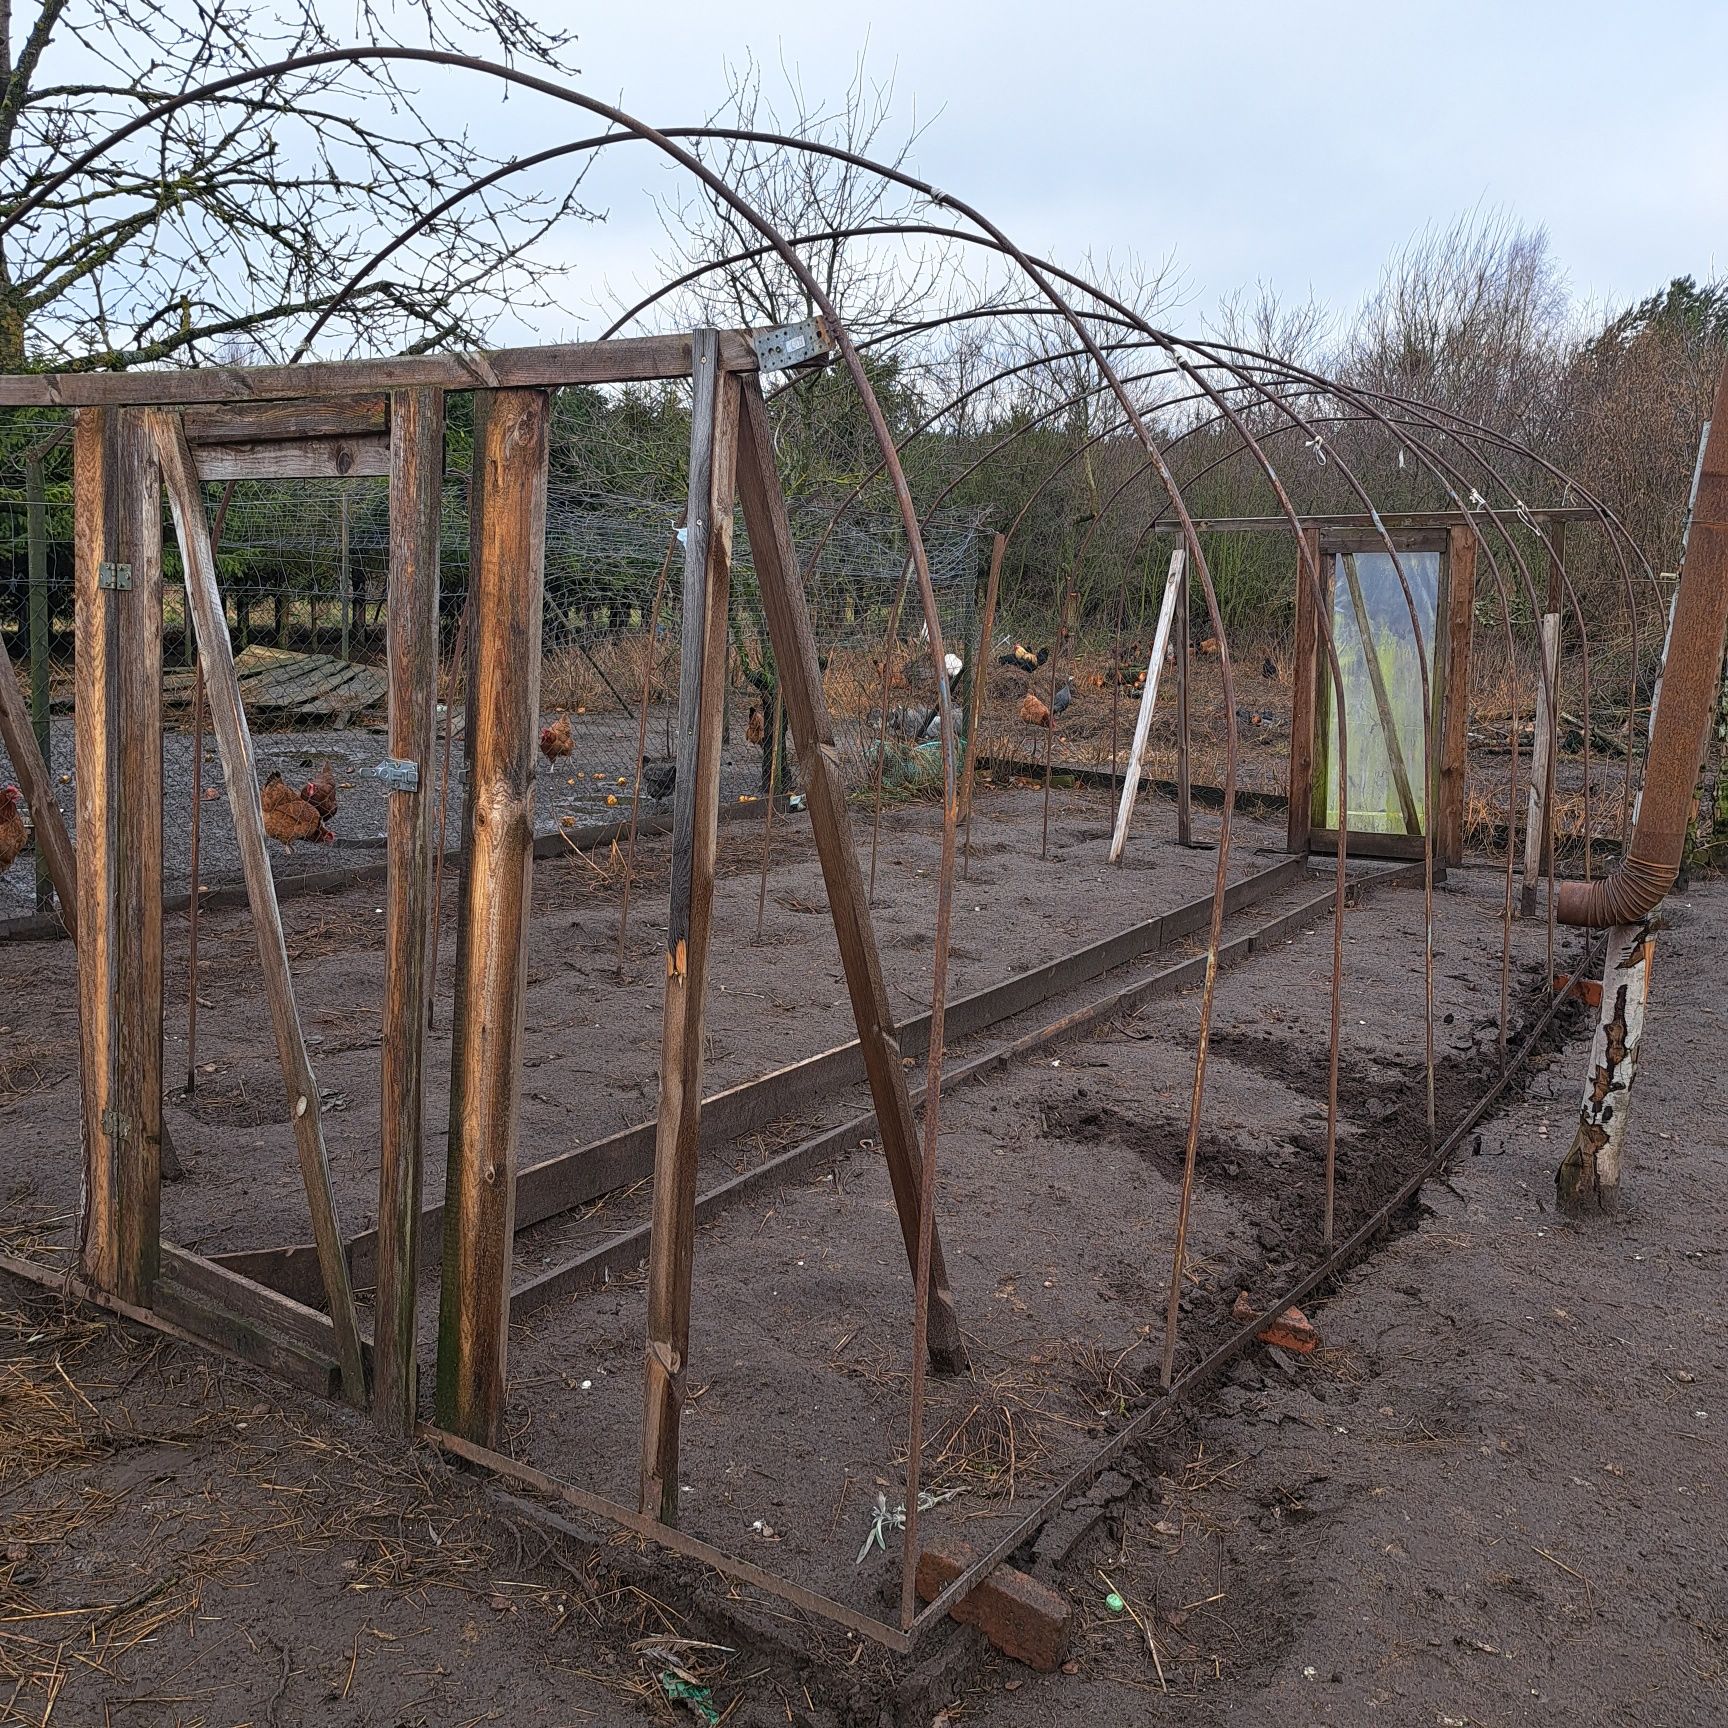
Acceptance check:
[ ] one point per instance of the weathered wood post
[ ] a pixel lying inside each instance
(36, 533)
(416, 491)
(1538, 814)
(1451, 768)
(118, 730)
(1304, 688)
(695, 816)
(507, 575)
(788, 617)
(1148, 700)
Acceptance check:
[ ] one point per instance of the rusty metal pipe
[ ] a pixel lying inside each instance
(1685, 701)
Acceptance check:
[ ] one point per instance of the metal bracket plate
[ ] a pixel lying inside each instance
(787, 345)
(114, 1123)
(397, 775)
(114, 576)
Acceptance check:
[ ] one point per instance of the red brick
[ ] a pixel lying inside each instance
(1020, 1616)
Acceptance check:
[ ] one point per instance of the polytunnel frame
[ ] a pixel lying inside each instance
(1041, 276)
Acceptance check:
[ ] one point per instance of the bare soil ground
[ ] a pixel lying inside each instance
(1412, 1510)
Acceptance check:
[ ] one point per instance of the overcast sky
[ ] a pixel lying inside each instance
(1296, 144)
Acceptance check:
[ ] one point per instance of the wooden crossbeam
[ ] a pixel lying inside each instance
(788, 617)
(620, 360)
(234, 743)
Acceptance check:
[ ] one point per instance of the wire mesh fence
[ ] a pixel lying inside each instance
(304, 572)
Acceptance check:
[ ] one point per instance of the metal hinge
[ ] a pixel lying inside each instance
(115, 1124)
(115, 576)
(397, 775)
(787, 345)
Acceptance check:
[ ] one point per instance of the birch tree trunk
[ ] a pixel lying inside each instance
(1588, 1179)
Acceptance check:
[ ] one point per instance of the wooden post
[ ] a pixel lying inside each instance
(978, 675)
(1538, 814)
(1448, 816)
(825, 788)
(507, 576)
(36, 531)
(1184, 793)
(234, 743)
(119, 760)
(53, 848)
(695, 815)
(1304, 689)
(1148, 699)
(416, 476)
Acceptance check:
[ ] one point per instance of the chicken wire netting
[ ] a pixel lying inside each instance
(304, 569)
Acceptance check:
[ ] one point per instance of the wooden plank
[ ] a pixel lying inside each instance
(621, 1254)
(621, 360)
(37, 785)
(117, 517)
(701, 713)
(1148, 699)
(295, 459)
(1536, 821)
(417, 441)
(234, 744)
(979, 676)
(507, 563)
(277, 422)
(573, 1178)
(1448, 819)
(1309, 666)
(783, 606)
(245, 1319)
(1184, 789)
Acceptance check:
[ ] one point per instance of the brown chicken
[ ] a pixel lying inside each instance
(754, 730)
(289, 817)
(320, 791)
(555, 740)
(11, 828)
(1032, 711)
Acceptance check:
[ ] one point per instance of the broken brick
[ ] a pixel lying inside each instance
(1020, 1616)
(1291, 1330)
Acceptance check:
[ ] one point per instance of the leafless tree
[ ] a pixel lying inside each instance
(231, 226)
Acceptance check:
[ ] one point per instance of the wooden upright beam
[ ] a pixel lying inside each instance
(701, 704)
(1448, 818)
(37, 784)
(1304, 690)
(507, 566)
(782, 589)
(1539, 825)
(234, 745)
(1184, 788)
(118, 723)
(416, 475)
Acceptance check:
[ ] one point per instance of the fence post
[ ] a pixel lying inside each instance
(118, 728)
(416, 494)
(41, 617)
(507, 577)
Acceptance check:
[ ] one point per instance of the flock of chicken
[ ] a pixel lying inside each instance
(1034, 711)
(290, 816)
